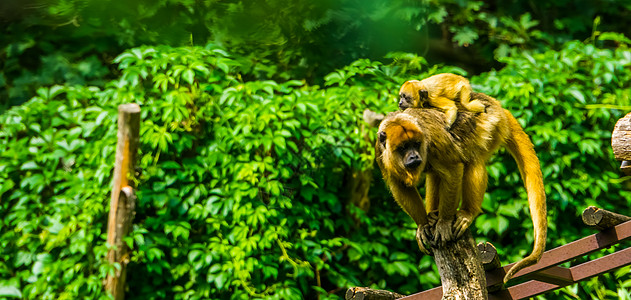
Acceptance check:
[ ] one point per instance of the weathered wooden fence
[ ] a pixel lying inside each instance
(546, 275)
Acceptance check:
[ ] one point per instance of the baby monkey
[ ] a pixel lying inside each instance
(440, 91)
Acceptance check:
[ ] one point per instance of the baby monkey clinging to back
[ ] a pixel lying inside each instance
(440, 91)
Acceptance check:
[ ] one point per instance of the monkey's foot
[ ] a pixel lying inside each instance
(463, 221)
(443, 233)
(475, 106)
(423, 234)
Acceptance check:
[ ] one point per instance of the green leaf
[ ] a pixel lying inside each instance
(401, 268)
(438, 16)
(29, 165)
(279, 141)
(189, 76)
(578, 95)
(7, 185)
(10, 291)
(465, 36)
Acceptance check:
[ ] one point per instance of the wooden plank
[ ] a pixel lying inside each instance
(568, 252)
(625, 167)
(578, 273)
(435, 293)
(525, 290)
(601, 265)
(556, 275)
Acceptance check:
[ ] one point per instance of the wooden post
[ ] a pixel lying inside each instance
(461, 273)
(123, 199)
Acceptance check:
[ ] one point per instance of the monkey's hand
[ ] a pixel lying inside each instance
(463, 221)
(443, 233)
(423, 233)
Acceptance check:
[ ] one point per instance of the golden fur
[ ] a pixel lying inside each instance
(440, 91)
(455, 165)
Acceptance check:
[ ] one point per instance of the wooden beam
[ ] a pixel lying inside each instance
(363, 293)
(431, 294)
(601, 265)
(123, 200)
(602, 219)
(625, 167)
(524, 290)
(569, 251)
(555, 275)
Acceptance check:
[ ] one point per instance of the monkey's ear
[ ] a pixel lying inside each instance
(423, 94)
(382, 137)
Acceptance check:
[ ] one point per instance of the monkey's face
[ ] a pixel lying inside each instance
(403, 150)
(412, 94)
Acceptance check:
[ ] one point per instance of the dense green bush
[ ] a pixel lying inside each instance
(245, 185)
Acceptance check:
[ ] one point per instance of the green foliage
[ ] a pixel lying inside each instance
(243, 188)
(74, 41)
(55, 162)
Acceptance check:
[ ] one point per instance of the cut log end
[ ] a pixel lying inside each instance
(602, 219)
(130, 108)
(488, 256)
(363, 293)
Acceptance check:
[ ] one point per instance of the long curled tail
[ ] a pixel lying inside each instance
(522, 150)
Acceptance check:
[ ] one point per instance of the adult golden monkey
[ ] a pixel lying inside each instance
(441, 91)
(416, 140)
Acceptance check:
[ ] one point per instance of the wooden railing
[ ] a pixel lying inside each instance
(547, 275)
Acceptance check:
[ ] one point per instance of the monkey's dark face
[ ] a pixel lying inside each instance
(410, 155)
(403, 151)
(412, 94)
(405, 101)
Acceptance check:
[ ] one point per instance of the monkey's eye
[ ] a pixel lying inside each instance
(382, 137)
(402, 150)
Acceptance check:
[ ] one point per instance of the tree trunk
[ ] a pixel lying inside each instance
(461, 272)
